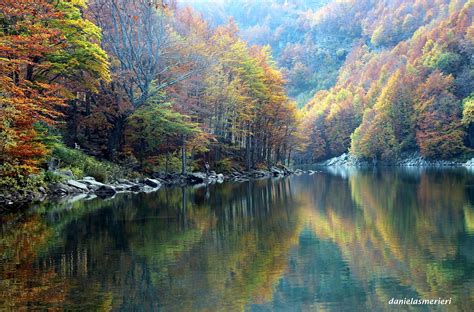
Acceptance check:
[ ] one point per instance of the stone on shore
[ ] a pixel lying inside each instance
(196, 177)
(78, 185)
(152, 182)
(91, 183)
(105, 191)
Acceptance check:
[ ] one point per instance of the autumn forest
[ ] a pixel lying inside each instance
(236, 155)
(104, 87)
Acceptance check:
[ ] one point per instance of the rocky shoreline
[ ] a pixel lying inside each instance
(88, 187)
(407, 160)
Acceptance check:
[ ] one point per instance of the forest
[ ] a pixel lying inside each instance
(137, 83)
(378, 79)
(146, 86)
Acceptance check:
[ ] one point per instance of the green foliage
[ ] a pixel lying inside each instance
(224, 165)
(14, 179)
(82, 52)
(156, 128)
(158, 122)
(83, 165)
(449, 62)
(53, 177)
(375, 137)
(468, 110)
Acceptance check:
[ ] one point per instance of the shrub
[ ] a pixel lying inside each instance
(16, 179)
(224, 165)
(83, 165)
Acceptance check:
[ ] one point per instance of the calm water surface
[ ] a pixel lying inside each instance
(335, 241)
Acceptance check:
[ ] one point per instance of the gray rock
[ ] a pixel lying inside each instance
(469, 163)
(276, 172)
(124, 181)
(196, 177)
(78, 185)
(148, 189)
(152, 182)
(61, 189)
(220, 178)
(92, 184)
(105, 191)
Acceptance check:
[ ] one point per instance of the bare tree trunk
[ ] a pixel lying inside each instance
(183, 157)
(247, 151)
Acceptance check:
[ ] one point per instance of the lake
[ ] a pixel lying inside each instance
(337, 240)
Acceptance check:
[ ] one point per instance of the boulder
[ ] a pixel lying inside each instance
(277, 172)
(105, 191)
(78, 185)
(196, 177)
(61, 189)
(220, 178)
(152, 182)
(92, 184)
(469, 163)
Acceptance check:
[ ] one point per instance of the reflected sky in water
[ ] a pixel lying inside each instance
(337, 240)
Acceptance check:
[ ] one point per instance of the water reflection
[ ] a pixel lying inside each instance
(342, 240)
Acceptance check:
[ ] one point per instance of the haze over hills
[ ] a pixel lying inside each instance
(309, 61)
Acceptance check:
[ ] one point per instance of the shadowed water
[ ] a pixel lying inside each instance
(339, 240)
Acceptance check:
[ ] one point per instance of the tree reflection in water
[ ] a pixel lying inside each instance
(334, 240)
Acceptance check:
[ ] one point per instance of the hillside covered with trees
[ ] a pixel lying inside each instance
(375, 78)
(167, 86)
(407, 84)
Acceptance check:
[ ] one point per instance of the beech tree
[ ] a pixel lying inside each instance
(48, 51)
(438, 128)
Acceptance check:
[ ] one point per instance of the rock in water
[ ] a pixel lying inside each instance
(196, 177)
(469, 163)
(105, 191)
(152, 182)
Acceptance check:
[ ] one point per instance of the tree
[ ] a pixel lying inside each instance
(375, 137)
(438, 128)
(155, 128)
(48, 51)
(468, 118)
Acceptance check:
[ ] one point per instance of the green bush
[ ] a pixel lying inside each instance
(224, 165)
(82, 165)
(14, 179)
